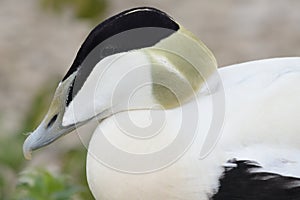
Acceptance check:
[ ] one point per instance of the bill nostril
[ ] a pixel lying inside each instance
(52, 121)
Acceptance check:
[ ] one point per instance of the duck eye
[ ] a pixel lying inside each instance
(52, 121)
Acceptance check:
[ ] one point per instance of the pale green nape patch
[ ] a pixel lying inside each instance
(174, 79)
(165, 96)
(181, 65)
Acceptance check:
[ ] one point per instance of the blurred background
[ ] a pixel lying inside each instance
(40, 38)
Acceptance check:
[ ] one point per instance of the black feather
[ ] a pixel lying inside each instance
(132, 29)
(242, 183)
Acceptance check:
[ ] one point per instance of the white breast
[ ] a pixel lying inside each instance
(262, 109)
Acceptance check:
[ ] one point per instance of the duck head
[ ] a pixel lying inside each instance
(138, 59)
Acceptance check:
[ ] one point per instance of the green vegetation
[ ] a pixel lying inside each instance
(38, 184)
(82, 9)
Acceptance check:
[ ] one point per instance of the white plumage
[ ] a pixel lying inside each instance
(227, 133)
(261, 124)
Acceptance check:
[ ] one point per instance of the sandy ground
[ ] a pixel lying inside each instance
(37, 46)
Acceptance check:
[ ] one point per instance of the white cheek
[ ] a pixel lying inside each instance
(111, 85)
